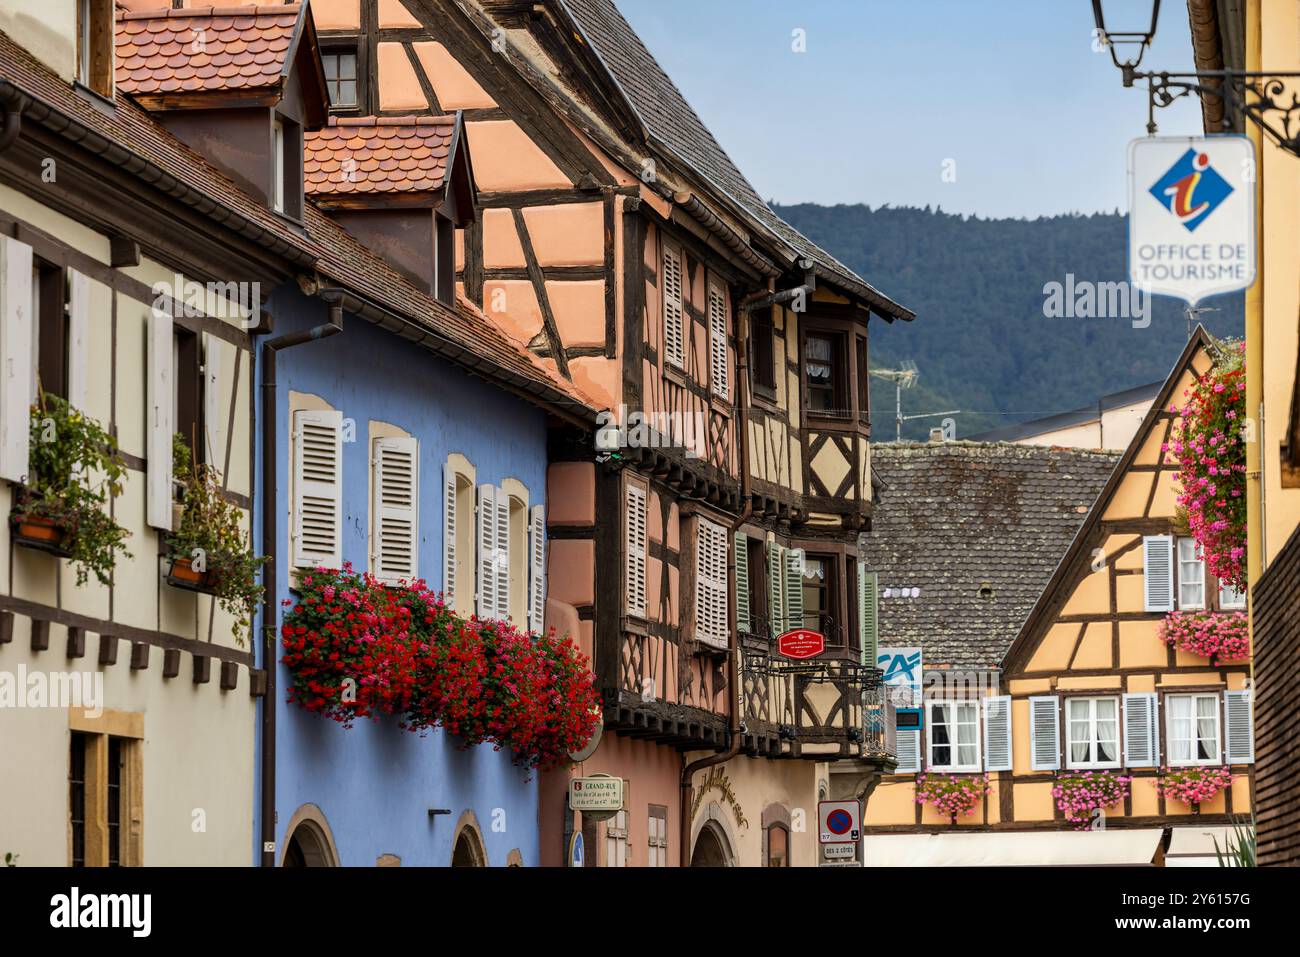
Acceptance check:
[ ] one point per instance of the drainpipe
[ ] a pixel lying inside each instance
(1256, 506)
(758, 300)
(270, 508)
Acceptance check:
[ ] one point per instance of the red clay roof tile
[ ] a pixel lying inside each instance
(203, 49)
(385, 154)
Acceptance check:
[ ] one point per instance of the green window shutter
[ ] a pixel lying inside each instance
(742, 581)
(775, 562)
(868, 591)
(793, 589)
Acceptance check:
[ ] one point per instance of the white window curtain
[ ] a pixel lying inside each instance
(1093, 729)
(1191, 575)
(1193, 729)
(954, 735)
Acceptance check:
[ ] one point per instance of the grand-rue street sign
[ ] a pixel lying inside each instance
(1191, 215)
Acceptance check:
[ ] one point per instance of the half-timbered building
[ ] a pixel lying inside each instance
(619, 245)
(1040, 672)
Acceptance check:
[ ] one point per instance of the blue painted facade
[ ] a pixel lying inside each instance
(375, 783)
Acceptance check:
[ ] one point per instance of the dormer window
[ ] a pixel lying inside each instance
(95, 46)
(400, 184)
(286, 167)
(340, 65)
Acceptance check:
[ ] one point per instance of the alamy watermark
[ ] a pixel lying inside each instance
(1085, 299)
(649, 430)
(238, 302)
(53, 689)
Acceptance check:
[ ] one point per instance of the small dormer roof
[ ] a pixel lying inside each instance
(389, 160)
(209, 57)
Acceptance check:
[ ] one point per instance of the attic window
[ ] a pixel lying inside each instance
(95, 46)
(340, 64)
(986, 591)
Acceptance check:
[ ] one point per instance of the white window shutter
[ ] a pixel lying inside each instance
(317, 488)
(634, 536)
(16, 331)
(504, 546)
(674, 349)
(537, 571)
(793, 589)
(908, 745)
(486, 537)
(997, 733)
(160, 427)
(775, 589)
(215, 419)
(1239, 734)
(1141, 730)
(719, 371)
(78, 329)
(711, 584)
(449, 533)
(741, 546)
(868, 612)
(1158, 572)
(395, 524)
(1044, 733)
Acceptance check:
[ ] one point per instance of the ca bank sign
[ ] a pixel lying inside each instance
(1191, 215)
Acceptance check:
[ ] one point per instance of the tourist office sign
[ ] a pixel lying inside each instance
(1191, 215)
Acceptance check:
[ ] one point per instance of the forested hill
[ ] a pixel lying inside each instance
(980, 338)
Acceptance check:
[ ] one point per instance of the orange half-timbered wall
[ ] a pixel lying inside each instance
(1091, 636)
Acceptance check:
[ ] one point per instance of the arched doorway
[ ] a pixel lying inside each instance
(468, 851)
(307, 847)
(467, 848)
(308, 841)
(711, 848)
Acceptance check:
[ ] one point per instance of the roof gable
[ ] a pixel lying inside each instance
(1077, 558)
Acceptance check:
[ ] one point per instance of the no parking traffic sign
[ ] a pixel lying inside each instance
(839, 822)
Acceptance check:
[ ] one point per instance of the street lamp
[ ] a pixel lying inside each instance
(1259, 97)
(1113, 39)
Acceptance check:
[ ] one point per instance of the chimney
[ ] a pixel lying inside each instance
(936, 435)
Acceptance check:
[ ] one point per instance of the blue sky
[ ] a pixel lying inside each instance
(888, 90)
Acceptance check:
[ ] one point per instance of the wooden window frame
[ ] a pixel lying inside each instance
(956, 704)
(657, 848)
(840, 391)
(771, 829)
(1179, 561)
(337, 47)
(1093, 745)
(762, 354)
(616, 836)
(51, 334)
(642, 485)
(100, 736)
(187, 379)
(1167, 739)
(96, 47)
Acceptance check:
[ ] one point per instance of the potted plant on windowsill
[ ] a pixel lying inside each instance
(73, 471)
(209, 550)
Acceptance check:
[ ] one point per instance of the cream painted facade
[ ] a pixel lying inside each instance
(1112, 429)
(1277, 291)
(185, 745)
(195, 746)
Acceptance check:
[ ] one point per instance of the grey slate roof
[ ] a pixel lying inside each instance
(668, 117)
(954, 516)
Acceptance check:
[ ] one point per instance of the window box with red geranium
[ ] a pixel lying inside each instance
(1084, 795)
(956, 796)
(1193, 786)
(1216, 636)
(357, 647)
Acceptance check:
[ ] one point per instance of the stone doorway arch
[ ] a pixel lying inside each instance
(712, 849)
(308, 841)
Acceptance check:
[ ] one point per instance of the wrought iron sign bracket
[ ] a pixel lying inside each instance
(1260, 97)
